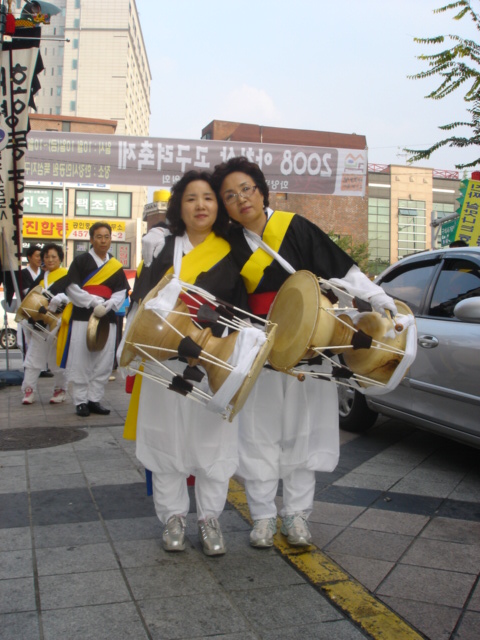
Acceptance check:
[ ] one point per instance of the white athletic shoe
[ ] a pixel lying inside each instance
(29, 397)
(295, 527)
(261, 535)
(59, 396)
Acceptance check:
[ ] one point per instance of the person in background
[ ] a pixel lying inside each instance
(287, 429)
(31, 272)
(177, 437)
(42, 344)
(96, 283)
(458, 243)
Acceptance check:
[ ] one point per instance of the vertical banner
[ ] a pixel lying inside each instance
(468, 224)
(19, 66)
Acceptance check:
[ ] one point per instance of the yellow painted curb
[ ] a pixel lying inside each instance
(341, 589)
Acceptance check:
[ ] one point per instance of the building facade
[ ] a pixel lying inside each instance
(62, 212)
(96, 65)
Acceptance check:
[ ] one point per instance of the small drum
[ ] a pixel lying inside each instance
(168, 324)
(308, 325)
(33, 308)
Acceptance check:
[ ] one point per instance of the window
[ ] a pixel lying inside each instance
(74, 63)
(59, 71)
(43, 201)
(378, 234)
(76, 23)
(75, 43)
(411, 227)
(458, 280)
(73, 84)
(409, 284)
(59, 91)
(77, 4)
(103, 204)
(73, 105)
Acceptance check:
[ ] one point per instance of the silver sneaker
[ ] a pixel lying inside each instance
(262, 533)
(174, 534)
(211, 537)
(295, 527)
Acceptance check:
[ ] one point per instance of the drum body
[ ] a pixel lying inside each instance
(34, 308)
(308, 324)
(178, 332)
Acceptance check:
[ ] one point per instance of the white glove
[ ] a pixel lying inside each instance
(57, 301)
(109, 305)
(381, 303)
(152, 243)
(95, 301)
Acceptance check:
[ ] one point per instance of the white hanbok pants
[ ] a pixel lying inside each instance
(89, 371)
(287, 430)
(42, 348)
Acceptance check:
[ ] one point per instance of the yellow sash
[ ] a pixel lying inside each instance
(273, 235)
(53, 276)
(200, 259)
(106, 271)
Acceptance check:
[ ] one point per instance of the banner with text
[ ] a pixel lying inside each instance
(468, 228)
(75, 229)
(17, 70)
(160, 162)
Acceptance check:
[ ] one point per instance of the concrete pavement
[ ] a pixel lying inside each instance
(396, 530)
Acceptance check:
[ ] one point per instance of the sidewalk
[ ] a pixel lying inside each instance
(81, 555)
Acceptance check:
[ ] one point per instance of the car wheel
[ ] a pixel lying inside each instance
(11, 337)
(354, 414)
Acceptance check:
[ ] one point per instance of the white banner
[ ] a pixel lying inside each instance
(160, 162)
(18, 63)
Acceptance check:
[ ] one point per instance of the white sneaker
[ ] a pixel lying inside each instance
(174, 534)
(261, 535)
(296, 529)
(29, 397)
(59, 396)
(211, 537)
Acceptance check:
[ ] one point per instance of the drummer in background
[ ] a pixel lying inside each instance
(97, 281)
(31, 272)
(177, 437)
(287, 429)
(42, 345)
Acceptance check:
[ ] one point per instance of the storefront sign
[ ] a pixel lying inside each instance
(39, 227)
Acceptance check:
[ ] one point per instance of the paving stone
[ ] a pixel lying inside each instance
(335, 630)
(167, 579)
(103, 622)
(16, 564)
(14, 510)
(368, 571)
(434, 621)
(75, 559)
(280, 607)
(379, 545)
(13, 479)
(434, 586)
(390, 522)
(460, 531)
(147, 553)
(439, 554)
(469, 626)
(63, 506)
(124, 501)
(17, 595)
(134, 528)
(55, 482)
(111, 478)
(474, 603)
(83, 589)
(361, 480)
(337, 514)
(68, 535)
(202, 616)
(19, 538)
(20, 626)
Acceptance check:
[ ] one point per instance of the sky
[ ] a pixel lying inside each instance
(336, 65)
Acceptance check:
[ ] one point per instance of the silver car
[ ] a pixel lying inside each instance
(441, 391)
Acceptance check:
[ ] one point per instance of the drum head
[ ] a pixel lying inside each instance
(30, 305)
(242, 394)
(97, 332)
(295, 311)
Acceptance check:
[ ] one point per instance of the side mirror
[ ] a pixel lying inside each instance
(468, 310)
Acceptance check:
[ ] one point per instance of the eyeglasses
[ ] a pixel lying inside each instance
(245, 192)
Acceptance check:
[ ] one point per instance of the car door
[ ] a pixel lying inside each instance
(442, 384)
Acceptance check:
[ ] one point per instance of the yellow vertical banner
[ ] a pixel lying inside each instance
(468, 228)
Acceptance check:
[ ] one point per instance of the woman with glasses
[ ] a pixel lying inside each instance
(42, 344)
(177, 437)
(287, 429)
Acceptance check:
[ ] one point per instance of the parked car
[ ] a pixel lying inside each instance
(8, 334)
(441, 391)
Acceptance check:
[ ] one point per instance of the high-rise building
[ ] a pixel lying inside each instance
(102, 71)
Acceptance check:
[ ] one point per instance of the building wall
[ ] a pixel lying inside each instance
(103, 71)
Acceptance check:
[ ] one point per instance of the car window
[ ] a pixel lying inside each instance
(458, 280)
(409, 285)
